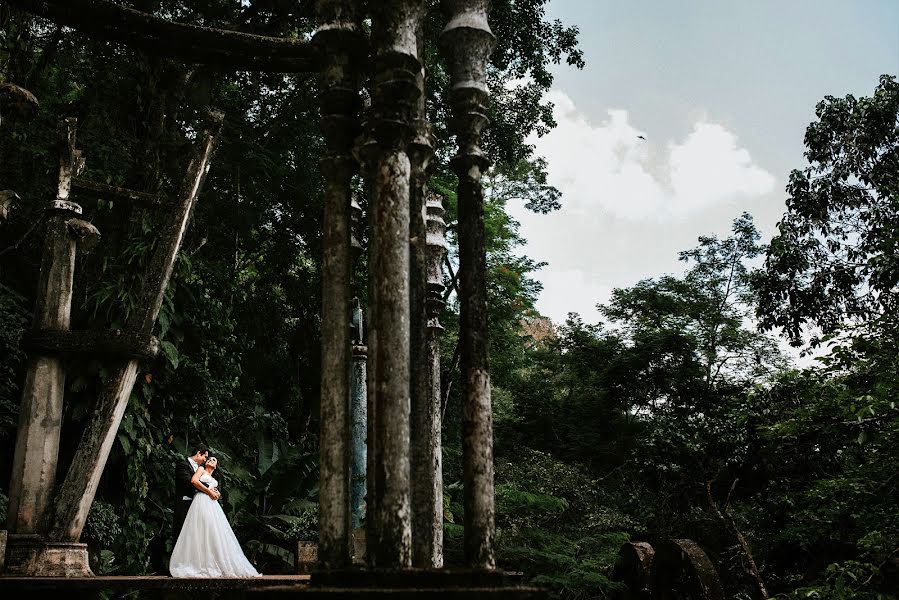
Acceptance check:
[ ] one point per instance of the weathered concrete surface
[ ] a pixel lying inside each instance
(407, 583)
(77, 492)
(427, 462)
(185, 42)
(390, 541)
(31, 555)
(359, 547)
(3, 536)
(467, 41)
(359, 409)
(421, 593)
(18, 101)
(389, 171)
(40, 415)
(339, 32)
(335, 450)
(425, 442)
(452, 577)
(109, 343)
(164, 588)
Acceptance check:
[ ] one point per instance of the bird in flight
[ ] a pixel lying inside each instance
(641, 137)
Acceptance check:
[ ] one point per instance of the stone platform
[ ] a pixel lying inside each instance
(335, 585)
(405, 593)
(164, 588)
(444, 584)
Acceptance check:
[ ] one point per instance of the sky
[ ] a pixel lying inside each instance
(722, 91)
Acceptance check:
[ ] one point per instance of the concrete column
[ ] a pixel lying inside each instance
(339, 39)
(360, 420)
(425, 450)
(40, 416)
(390, 129)
(359, 400)
(427, 460)
(468, 42)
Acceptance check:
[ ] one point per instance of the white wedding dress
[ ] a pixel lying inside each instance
(207, 546)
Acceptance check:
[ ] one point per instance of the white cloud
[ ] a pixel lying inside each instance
(628, 204)
(607, 167)
(709, 167)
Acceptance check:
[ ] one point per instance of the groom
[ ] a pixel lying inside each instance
(184, 487)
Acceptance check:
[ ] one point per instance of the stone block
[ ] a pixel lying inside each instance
(3, 535)
(359, 546)
(307, 556)
(29, 556)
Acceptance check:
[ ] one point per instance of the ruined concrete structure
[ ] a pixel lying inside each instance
(45, 523)
(380, 384)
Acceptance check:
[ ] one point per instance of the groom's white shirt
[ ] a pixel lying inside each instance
(194, 466)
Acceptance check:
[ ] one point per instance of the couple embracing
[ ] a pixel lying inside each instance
(205, 545)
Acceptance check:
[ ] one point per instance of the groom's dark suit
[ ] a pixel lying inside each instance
(184, 472)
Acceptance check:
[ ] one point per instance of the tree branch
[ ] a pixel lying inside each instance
(729, 522)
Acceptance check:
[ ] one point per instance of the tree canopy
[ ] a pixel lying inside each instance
(832, 263)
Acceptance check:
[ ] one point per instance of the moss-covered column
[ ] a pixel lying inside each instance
(390, 124)
(358, 389)
(468, 42)
(40, 416)
(339, 39)
(427, 454)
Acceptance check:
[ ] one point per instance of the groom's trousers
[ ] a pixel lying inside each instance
(181, 508)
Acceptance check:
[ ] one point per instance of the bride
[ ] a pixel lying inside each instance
(207, 546)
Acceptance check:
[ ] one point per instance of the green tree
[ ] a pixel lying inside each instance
(708, 310)
(833, 261)
(831, 431)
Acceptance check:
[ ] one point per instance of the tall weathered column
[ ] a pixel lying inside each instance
(359, 385)
(427, 454)
(425, 447)
(390, 126)
(368, 153)
(40, 417)
(339, 39)
(468, 42)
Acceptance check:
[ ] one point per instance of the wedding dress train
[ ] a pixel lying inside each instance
(207, 546)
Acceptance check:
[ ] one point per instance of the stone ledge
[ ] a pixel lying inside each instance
(353, 593)
(259, 588)
(144, 582)
(408, 578)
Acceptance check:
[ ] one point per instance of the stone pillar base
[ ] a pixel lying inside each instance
(31, 556)
(359, 546)
(307, 556)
